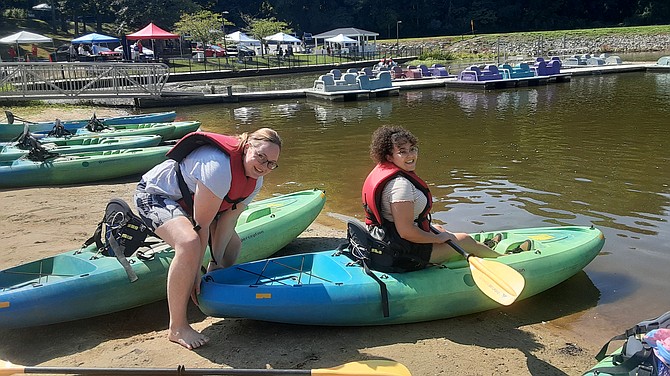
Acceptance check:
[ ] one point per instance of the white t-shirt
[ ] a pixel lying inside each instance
(206, 164)
(400, 189)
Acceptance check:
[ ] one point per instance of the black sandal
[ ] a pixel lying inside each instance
(491, 243)
(527, 245)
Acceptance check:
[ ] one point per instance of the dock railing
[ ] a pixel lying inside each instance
(81, 80)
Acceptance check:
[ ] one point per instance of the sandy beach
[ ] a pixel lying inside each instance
(39, 222)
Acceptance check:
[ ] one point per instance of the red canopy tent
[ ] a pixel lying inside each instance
(152, 32)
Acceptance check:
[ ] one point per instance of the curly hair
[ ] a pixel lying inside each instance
(387, 136)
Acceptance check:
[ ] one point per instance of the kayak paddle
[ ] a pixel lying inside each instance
(362, 368)
(498, 281)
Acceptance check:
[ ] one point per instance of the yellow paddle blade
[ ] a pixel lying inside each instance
(365, 368)
(7, 368)
(498, 281)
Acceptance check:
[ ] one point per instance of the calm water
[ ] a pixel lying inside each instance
(590, 152)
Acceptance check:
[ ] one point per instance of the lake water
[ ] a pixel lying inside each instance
(593, 151)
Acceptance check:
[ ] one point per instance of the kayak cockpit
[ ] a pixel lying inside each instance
(44, 271)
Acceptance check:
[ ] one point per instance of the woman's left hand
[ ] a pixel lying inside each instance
(196, 289)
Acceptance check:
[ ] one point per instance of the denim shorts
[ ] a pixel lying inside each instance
(155, 210)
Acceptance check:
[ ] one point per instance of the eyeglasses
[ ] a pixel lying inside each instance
(263, 159)
(404, 152)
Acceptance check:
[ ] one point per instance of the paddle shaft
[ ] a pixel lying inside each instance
(362, 368)
(151, 371)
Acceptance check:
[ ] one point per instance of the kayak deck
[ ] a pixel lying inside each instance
(324, 288)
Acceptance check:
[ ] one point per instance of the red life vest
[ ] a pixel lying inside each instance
(374, 186)
(241, 186)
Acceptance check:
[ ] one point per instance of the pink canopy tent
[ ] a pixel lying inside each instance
(152, 32)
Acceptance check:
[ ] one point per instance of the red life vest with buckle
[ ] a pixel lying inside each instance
(241, 186)
(374, 186)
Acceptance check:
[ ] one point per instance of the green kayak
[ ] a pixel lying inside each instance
(13, 130)
(165, 130)
(177, 129)
(84, 283)
(80, 168)
(181, 128)
(10, 152)
(327, 288)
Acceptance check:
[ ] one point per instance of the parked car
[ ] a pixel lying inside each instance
(211, 51)
(245, 51)
(62, 53)
(145, 51)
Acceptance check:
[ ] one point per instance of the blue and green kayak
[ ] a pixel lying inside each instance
(83, 283)
(327, 288)
(178, 129)
(12, 151)
(9, 132)
(80, 168)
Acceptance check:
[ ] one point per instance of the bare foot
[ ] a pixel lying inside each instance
(188, 338)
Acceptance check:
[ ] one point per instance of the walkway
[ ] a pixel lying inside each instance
(185, 99)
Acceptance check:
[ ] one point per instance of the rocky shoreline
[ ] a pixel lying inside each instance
(532, 45)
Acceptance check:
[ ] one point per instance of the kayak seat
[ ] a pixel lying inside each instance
(252, 215)
(518, 247)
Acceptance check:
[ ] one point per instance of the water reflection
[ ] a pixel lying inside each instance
(591, 151)
(328, 114)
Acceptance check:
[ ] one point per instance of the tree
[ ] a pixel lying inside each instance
(203, 26)
(133, 14)
(260, 28)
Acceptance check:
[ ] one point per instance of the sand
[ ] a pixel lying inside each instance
(39, 222)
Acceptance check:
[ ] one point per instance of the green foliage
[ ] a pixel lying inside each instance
(262, 27)
(16, 13)
(436, 54)
(134, 14)
(203, 26)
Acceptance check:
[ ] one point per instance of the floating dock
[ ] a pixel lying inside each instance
(168, 99)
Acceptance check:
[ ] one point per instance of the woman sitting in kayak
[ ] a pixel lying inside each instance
(197, 196)
(397, 205)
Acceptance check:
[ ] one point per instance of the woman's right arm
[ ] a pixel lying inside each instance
(205, 206)
(403, 218)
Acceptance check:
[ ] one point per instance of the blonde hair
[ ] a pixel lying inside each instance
(263, 134)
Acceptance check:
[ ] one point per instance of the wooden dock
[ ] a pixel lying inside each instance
(168, 99)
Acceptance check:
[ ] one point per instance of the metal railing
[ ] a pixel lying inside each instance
(81, 80)
(187, 64)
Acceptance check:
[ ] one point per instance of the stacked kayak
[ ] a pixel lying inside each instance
(10, 152)
(80, 168)
(181, 128)
(83, 283)
(11, 131)
(327, 288)
(168, 131)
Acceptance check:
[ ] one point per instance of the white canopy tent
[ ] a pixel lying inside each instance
(282, 38)
(341, 38)
(242, 38)
(24, 37)
(366, 41)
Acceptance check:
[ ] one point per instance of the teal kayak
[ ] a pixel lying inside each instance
(10, 152)
(9, 132)
(177, 130)
(83, 283)
(181, 128)
(327, 288)
(165, 130)
(80, 168)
